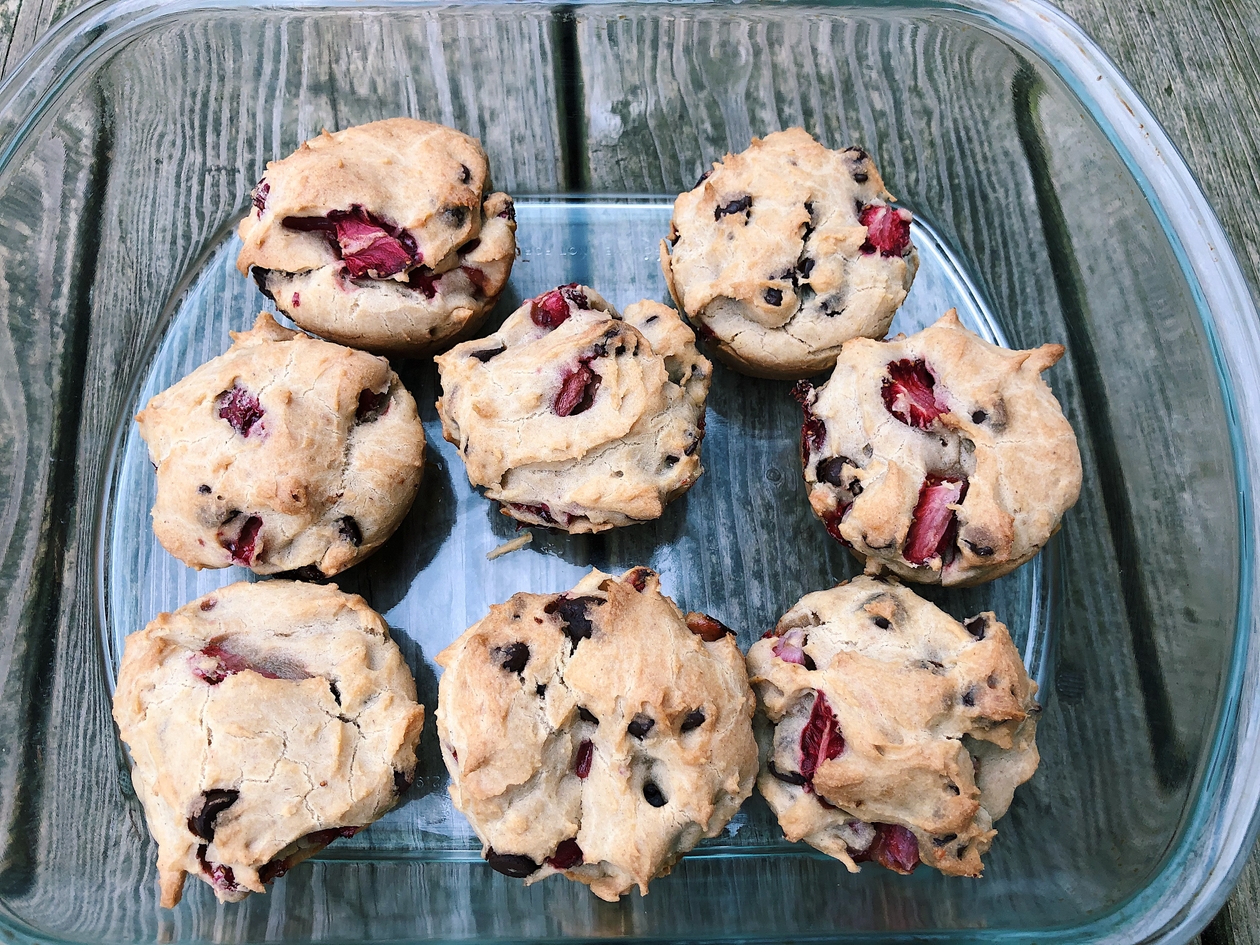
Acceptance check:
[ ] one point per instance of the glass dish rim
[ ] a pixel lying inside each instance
(1199, 872)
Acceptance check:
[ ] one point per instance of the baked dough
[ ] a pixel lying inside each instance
(598, 733)
(895, 733)
(785, 251)
(383, 236)
(939, 457)
(576, 417)
(263, 721)
(286, 453)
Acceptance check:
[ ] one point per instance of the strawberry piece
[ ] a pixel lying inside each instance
(585, 753)
(813, 430)
(550, 310)
(821, 741)
(476, 277)
(241, 409)
(709, 629)
(369, 249)
(369, 245)
(791, 647)
(934, 526)
(221, 877)
(568, 855)
(423, 280)
(894, 847)
(909, 394)
(577, 391)
(242, 545)
(887, 230)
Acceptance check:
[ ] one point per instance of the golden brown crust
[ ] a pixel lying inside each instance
(290, 696)
(622, 457)
(425, 179)
(770, 259)
(665, 715)
(320, 481)
(938, 722)
(1000, 433)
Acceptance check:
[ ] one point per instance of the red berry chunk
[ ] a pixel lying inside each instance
(708, 629)
(369, 249)
(424, 280)
(227, 663)
(910, 395)
(585, 753)
(242, 545)
(568, 855)
(934, 526)
(894, 848)
(791, 647)
(221, 876)
(814, 430)
(549, 310)
(887, 230)
(369, 245)
(832, 521)
(821, 741)
(577, 391)
(241, 409)
(260, 196)
(476, 277)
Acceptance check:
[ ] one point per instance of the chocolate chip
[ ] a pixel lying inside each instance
(511, 864)
(455, 216)
(831, 470)
(513, 657)
(805, 267)
(260, 279)
(787, 777)
(307, 572)
(465, 175)
(977, 625)
(735, 206)
(576, 624)
(969, 697)
(485, 354)
(703, 177)
(652, 794)
(213, 803)
(586, 715)
(694, 719)
(348, 530)
(773, 296)
(979, 417)
(639, 726)
(336, 693)
(540, 690)
(204, 490)
(984, 551)
(941, 841)
(883, 623)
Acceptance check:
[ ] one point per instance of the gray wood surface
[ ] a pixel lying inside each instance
(1196, 65)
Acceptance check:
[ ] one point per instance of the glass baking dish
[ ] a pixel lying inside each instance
(1049, 207)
